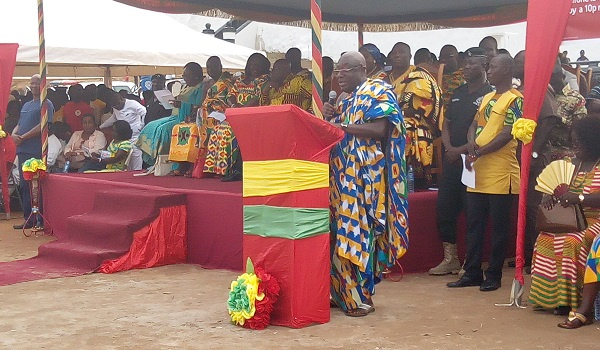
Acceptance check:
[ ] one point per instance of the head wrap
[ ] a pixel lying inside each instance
(374, 51)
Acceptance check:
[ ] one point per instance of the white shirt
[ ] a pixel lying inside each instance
(55, 147)
(133, 113)
(571, 80)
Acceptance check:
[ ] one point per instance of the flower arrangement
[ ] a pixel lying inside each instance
(523, 130)
(251, 298)
(34, 169)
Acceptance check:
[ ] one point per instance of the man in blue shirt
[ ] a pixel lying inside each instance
(27, 137)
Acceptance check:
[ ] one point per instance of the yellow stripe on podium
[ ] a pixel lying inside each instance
(270, 177)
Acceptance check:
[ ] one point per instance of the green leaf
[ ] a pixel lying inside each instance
(249, 266)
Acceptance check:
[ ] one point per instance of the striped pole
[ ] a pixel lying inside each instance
(43, 97)
(361, 36)
(316, 24)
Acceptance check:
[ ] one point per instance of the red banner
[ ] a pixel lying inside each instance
(8, 58)
(583, 20)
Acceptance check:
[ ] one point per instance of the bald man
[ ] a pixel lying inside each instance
(27, 137)
(368, 197)
(492, 154)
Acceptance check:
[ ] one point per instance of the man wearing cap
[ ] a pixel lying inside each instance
(154, 109)
(462, 107)
(492, 155)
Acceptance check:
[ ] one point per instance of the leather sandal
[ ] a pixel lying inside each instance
(576, 320)
(361, 311)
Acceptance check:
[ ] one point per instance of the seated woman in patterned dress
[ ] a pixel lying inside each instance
(223, 155)
(155, 138)
(559, 260)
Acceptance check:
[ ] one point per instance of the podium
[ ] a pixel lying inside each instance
(285, 153)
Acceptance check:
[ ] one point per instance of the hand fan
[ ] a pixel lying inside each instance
(555, 178)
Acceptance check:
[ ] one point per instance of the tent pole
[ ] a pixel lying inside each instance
(316, 23)
(107, 77)
(361, 30)
(43, 83)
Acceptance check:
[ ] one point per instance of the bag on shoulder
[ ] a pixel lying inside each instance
(560, 219)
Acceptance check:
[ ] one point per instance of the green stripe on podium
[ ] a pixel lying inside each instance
(283, 222)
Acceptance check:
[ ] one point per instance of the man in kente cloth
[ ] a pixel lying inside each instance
(368, 192)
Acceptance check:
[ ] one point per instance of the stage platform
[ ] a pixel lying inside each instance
(215, 217)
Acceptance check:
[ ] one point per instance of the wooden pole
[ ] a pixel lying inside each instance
(43, 83)
(361, 30)
(316, 22)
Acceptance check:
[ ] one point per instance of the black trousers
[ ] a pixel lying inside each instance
(451, 200)
(480, 206)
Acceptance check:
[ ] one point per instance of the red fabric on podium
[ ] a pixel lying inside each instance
(301, 267)
(162, 242)
(285, 132)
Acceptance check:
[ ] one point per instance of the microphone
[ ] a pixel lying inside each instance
(332, 97)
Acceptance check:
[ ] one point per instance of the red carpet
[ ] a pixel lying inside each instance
(106, 232)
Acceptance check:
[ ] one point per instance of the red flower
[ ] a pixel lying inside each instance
(269, 286)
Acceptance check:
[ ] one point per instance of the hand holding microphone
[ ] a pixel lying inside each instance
(328, 107)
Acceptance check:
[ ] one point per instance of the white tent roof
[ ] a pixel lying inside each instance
(83, 36)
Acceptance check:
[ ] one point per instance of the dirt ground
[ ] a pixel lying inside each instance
(184, 307)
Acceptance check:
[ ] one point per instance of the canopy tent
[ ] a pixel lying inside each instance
(451, 13)
(85, 37)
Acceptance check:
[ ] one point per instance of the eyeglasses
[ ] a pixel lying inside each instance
(345, 71)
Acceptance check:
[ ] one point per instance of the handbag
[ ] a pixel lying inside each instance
(560, 219)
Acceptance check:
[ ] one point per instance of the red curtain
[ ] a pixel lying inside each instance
(542, 44)
(8, 58)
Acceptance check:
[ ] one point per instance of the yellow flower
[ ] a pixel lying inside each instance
(523, 130)
(34, 165)
(2, 133)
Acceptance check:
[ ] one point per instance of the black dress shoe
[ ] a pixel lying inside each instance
(488, 286)
(465, 281)
(22, 226)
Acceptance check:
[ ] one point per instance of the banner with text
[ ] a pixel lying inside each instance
(583, 20)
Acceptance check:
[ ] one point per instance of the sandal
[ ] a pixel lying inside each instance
(576, 320)
(361, 311)
(174, 173)
(332, 303)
